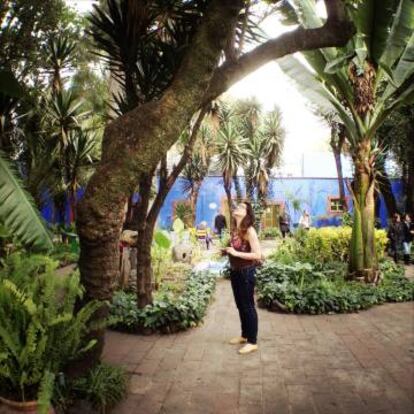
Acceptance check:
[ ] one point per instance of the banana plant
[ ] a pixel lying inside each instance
(18, 212)
(363, 83)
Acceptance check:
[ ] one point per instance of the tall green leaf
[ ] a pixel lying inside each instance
(401, 31)
(18, 212)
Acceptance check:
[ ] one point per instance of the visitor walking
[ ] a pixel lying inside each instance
(202, 233)
(220, 224)
(305, 221)
(244, 254)
(284, 224)
(408, 226)
(396, 236)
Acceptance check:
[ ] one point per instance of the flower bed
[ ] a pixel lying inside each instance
(169, 312)
(306, 288)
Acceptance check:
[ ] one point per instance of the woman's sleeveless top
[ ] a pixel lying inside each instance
(241, 245)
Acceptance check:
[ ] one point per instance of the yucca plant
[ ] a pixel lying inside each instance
(192, 178)
(363, 83)
(184, 213)
(60, 51)
(39, 332)
(232, 152)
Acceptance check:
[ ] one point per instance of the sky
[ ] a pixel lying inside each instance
(306, 145)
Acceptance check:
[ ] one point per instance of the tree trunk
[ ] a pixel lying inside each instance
(145, 232)
(72, 205)
(410, 174)
(237, 187)
(193, 201)
(363, 259)
(337, 146)
(410, 187)
(144, 268)
(227, 189)
(341, 185)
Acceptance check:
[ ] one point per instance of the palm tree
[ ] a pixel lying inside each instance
(364, 83)
(193, 175)
(232, 151)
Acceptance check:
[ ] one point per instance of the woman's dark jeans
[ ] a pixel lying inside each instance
(242, 283)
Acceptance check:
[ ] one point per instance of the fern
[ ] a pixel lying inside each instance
(45, 393)
(40, 333)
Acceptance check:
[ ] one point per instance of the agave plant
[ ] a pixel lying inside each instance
(363, 83)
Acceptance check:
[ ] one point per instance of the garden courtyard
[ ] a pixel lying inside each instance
(360, 363)
(173, 171)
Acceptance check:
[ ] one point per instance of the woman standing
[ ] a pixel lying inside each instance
(244, 254)
(408, 238)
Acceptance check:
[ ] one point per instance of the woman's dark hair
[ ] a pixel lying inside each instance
(396, 216)
(247, 221)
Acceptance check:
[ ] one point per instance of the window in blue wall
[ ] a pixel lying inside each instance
(336, 205)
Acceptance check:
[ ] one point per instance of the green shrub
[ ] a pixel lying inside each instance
(270, 233)
(64, 254)
(160, 255)
(168, 312)
(39, 332)
(305, 288)
(323, 245)
(104, 386)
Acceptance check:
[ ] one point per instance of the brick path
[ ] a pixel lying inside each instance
(340, 364)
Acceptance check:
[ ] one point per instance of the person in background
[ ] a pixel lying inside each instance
(408, 227)
(396, 236)
(220, 224)
(284, 224)
(202, 233)
(305, 221)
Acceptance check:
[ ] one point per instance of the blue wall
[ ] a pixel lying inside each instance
(313, 194)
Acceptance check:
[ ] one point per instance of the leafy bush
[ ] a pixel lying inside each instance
(270, 233)
(184, 212)
(168, 312)
(306, 288)
(39, 333)
(323, 245)
(101, 388)
(104, 386)
(160, 255)
(64, 254)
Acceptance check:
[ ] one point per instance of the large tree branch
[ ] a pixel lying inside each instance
(335, 32)
(170, 180)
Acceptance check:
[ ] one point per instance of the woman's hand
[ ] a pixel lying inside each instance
(231, 251)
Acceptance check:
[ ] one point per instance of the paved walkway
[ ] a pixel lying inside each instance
(341, 364)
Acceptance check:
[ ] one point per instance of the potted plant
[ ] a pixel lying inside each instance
(39, 332)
